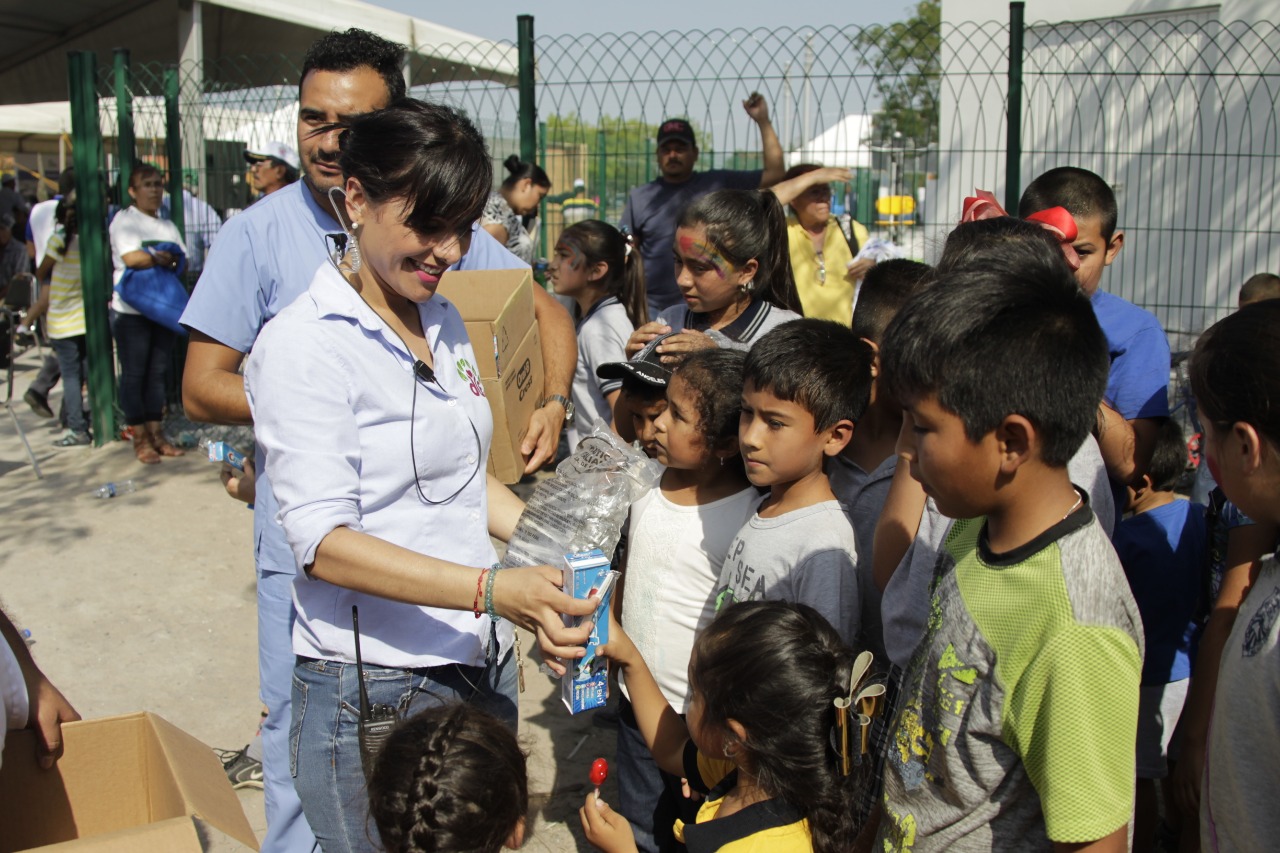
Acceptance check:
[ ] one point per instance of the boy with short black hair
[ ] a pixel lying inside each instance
(1164, 548)
(1137, 395)
(1017, 712)
(806, 384)
(644, 394)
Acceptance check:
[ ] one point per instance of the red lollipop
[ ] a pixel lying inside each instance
(599, 772)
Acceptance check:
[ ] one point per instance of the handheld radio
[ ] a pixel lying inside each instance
(376, 721)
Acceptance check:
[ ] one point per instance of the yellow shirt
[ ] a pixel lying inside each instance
(831, 299)
(66, 300)
(770, 826)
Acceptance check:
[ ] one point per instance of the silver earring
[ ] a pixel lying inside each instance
(748, 286)
(353, 250)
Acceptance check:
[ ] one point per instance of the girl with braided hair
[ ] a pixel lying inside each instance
(762, 738)
(451, 778)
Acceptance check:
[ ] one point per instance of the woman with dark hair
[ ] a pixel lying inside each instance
(144, 347)
(519, 196)
(366, 398)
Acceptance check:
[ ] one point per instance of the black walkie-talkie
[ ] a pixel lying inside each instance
(376, 721)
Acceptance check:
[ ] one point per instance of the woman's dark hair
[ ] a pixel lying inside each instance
(1003, 242)
(746, 224)
(601, 243)
(519, 170)
(450, 778)
(789, 716)
(65, 214)
(355, 48)
(1235, 370)
(715, 376)
(428, 156)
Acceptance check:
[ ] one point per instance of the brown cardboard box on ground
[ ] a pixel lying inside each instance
(497, 308)
(133, 783)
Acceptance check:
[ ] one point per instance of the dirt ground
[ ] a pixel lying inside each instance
(146, 602)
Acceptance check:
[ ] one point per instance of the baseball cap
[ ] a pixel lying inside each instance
(6, 220)
(676, 128)
(275, 151)
(645, 365)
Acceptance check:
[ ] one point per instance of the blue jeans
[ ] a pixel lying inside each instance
(324, 737)
(145, 350)
(287, 829)
(71, 361)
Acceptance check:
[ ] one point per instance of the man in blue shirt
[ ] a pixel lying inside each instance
(652, 209)
(265, 258)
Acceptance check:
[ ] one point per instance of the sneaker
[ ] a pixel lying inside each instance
(38, 403)
(243, 771)
(71, 438)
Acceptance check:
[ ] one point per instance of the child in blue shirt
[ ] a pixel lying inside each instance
(1163, 546)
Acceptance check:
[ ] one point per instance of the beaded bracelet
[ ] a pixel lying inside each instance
(475, 603)
(488, 593)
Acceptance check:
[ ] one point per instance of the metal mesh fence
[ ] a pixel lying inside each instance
(1177, 111)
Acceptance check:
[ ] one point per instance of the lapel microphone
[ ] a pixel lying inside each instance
(423, 372)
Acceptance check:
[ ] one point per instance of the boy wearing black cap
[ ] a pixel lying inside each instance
(652, 208)
(644, 394)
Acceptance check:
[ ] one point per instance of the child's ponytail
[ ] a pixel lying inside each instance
(601, 243)
(790, 716)
(745, 225)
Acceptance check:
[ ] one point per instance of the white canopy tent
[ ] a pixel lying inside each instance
(844, 144)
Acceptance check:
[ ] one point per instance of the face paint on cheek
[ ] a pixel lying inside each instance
(576, 259)
(705, 254)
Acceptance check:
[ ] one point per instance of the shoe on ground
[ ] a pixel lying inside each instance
(243, 771)
(71, 438)
(38, 403)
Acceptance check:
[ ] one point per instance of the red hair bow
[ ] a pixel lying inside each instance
(1056, 220)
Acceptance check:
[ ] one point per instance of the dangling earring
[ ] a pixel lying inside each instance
(722, 460)
(747, 287)
(346, 249)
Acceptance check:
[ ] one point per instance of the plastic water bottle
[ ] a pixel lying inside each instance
(111, 490)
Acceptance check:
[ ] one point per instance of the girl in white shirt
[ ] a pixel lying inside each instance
(365, 397)
(679, 535)
(596, 266)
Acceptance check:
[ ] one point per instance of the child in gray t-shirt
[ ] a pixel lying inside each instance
(805, 385)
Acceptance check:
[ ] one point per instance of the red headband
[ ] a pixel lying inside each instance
(1056, 220)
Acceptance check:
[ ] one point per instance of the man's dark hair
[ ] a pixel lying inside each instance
(996, 342)
(1080, 191)
(428, 156)
(820, 365)
(1004, 243)
(347, 51)
(1262, 286)
(67, 180)
(1168, 457)
(885, 289)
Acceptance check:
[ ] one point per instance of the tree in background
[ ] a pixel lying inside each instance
(904, 58)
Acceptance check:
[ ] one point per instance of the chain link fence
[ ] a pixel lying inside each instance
(1177, 111)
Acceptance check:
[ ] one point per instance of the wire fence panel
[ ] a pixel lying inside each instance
(1176, 110)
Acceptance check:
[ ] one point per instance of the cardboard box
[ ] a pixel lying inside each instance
(585, 683)
(133, 783)
(497, 308)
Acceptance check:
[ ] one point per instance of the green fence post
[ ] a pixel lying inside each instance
(602, 174)
(1013, 141)
(528, 107)
(125, 145)
(95, 256)
(542, 218)
(173, 148)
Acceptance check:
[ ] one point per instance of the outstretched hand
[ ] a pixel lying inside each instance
(531, 597)
(605, 829)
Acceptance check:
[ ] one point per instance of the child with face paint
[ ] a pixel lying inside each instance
(597, 266)
(733, 269)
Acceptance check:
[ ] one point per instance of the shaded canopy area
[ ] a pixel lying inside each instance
(37, 36)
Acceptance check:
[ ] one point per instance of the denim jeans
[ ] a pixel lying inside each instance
(287, 829)
(71, 361)
(324, 736)
(649, 798)
(145, 350)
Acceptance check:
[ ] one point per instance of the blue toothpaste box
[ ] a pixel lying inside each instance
(220, 451)
(585, 684)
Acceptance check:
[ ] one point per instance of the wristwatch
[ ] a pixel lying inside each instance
(569, 410)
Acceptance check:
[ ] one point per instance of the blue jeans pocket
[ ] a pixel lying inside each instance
(295, 723)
